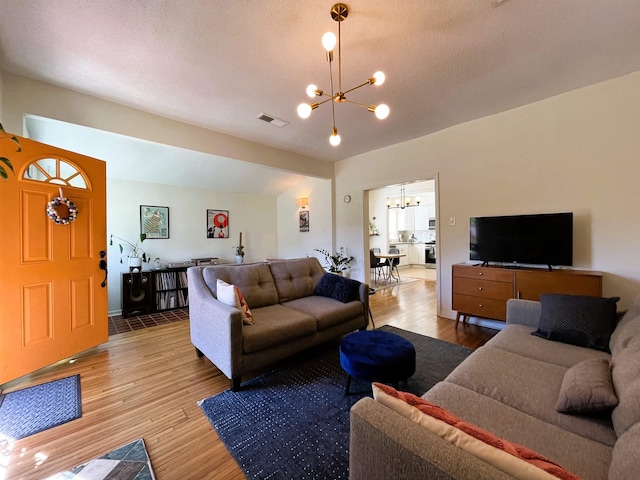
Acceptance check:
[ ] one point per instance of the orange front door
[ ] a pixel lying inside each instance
(53, 297)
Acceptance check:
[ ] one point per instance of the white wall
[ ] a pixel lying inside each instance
(255, 216)
(295, 244)
(575, 152)
(25, 96)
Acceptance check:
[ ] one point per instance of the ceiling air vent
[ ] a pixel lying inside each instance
(265, 117)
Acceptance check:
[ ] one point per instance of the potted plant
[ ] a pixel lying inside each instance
(238, 250)
(336, 263)
(135, 254)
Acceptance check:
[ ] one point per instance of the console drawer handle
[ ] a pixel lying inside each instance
(480, 273)
(480, 305)
(479, 288)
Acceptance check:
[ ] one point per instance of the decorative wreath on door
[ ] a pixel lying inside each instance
(52, 211)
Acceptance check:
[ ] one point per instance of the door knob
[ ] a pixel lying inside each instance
(102, 264)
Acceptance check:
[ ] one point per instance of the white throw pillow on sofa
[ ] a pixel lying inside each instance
(231, 295)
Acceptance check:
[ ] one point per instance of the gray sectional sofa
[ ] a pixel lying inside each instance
(288, 316)
(511, 387)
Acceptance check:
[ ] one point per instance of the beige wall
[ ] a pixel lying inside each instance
(26, 96)
(253, 215)
(575, 152)
(292, 243)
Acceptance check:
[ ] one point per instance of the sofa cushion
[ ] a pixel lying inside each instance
(254, 281)
(517, 460)
(337, 287)
(625, 373)
(518, 339)
(577, 320)
(296, 278)
(232, 296)
(628, 327)
(586, 388)
(625, 461)
(586, 458)
(276, 325)
(528, 385)
(327, 311)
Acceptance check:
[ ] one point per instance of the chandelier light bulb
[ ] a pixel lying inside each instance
(311, 90)
(382, 111)
(334, 139)
(329, 41)
(304, 110)
(379, 76)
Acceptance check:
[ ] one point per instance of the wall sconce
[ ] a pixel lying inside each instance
(302, 202)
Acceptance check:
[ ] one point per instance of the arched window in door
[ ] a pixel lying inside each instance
(56, 171)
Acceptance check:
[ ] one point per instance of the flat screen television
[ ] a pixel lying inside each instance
(542, 239)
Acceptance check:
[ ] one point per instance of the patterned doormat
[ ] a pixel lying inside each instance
(38, 408)
(130, 462)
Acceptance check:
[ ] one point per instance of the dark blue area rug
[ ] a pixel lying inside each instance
(34, 409)
(293, 423)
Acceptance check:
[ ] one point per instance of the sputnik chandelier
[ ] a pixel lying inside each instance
(339, 13)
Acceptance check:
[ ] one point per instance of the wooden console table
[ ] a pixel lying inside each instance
(483, 291)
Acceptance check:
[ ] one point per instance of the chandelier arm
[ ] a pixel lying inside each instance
(355, 88)
(356, 103)
(325, 101)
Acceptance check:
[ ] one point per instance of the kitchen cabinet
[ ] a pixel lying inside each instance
(421, 217)
(406, 219)
(416, 254)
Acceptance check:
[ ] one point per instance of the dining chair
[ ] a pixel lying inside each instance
(376, 265)
(393, 263)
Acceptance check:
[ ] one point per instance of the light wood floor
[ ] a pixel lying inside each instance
(145, 384)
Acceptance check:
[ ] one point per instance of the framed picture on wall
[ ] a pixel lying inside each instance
(303, 216)
(154, 221)
(217, 223)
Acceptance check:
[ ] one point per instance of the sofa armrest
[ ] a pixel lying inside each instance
(216, 328)
(523, 312)
(385, 445)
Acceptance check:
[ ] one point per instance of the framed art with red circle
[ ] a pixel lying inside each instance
(217, 223)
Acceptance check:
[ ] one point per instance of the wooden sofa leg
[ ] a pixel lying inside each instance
(199, 354)
(235, 383)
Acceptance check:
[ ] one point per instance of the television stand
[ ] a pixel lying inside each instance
(483, 291)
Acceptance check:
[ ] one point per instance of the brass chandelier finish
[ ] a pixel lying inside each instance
(339, 13)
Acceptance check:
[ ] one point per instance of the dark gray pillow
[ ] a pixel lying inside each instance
(339, 288)
(577, 320)
(326, 285)
(346, 290)
(587, 387)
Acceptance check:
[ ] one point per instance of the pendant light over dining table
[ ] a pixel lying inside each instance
(339, 13)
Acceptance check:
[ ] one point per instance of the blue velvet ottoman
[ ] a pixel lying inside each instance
(375, 356)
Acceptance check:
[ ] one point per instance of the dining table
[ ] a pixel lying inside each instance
(390, 257)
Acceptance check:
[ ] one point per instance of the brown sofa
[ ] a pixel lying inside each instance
(288, 316)
(510, 387)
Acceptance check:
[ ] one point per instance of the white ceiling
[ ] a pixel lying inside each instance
(218, 64)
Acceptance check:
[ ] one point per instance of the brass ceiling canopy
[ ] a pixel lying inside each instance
(339, 13)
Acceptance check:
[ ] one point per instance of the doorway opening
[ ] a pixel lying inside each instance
(403, 218)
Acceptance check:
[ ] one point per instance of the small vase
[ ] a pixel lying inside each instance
(156, 264)
(135, 264)
(239, 258)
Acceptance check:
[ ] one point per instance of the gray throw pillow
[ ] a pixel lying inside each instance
(587, 388)
(577, 320)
